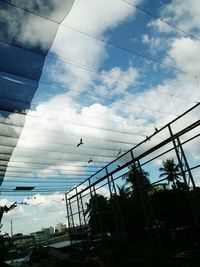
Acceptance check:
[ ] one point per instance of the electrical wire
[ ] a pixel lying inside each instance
(53, 21)
(56, 152)
(85, 136)
(35, 168)
(40, 182)
(125, 1)
(79, 125)
(6, 1)
(48, 163)
(99, 39)
(23, 9)
(160, 19)
(40, 175)
(57, 144)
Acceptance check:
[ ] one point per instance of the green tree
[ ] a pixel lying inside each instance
(123, 192)
(97, 211)
(138, 178)
(140, 186)
(171, 171)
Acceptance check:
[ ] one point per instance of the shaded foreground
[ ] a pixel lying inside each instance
(128, 255)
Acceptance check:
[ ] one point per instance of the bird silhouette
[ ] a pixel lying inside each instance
(90, 160)
(119, 152)
(80, 143)
(148, 138)
(156, 129)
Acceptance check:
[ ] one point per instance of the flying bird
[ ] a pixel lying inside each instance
(80, 143)
(148, 138)
(90, 160)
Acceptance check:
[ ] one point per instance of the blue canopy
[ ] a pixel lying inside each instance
(27, 31)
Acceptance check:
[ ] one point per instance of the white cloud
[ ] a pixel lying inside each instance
(111, 86)
(184, 54)
(27, 30)
(146, 39)
(54, 128)
(181, 13)
(93, 17)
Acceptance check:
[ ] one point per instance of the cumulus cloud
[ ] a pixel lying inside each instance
(54, 128)
(116, 81)
(95, 18)
(27, 30)
(155, 43)
(116, 116)
(184, 54)
(181, 15)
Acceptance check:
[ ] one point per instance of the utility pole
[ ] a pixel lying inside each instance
(11, 231)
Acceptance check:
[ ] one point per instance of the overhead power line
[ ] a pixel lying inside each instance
(162, 20)
(101, 39)
(125, 1)
(43, 163)
(56, 152)
(33, 169)
(38, 182)
(98, 97)
(88, 137)
(78, 125)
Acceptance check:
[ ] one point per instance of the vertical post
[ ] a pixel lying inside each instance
(115, 207)
(177, 154)
(101, 228)
(118, 214)
(113, 184)
(11, 230)
(68, 218)
(72, 219)
(85, 228)
(109, 186)
(90, 187)
(186, 164)
(82, 207)
(145, 202)
(179, 145)
(78, 206)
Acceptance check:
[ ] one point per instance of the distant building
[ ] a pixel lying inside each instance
(40, 236)
(51, 230)
(22, 240)
(48, 230)
(60, 228)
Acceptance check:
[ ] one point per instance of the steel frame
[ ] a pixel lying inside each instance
(106, 174)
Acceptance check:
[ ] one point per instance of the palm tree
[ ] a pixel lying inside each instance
(97, 211)
(138, 178)
(123, 192)
(171, 171)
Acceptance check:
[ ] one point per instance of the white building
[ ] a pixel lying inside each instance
(60, 228)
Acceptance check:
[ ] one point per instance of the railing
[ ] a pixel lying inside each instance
(171, 141)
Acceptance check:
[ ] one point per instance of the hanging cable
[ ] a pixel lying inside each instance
(160, 19)
(88, 137)
(50, 143)
(100, 39)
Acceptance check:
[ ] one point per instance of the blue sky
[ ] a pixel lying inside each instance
(113, 109)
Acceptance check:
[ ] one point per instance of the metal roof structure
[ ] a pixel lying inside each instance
(46, 143)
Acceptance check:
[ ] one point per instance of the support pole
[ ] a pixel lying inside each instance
(177, 154)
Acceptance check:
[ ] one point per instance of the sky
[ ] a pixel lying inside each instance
(101, 82)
